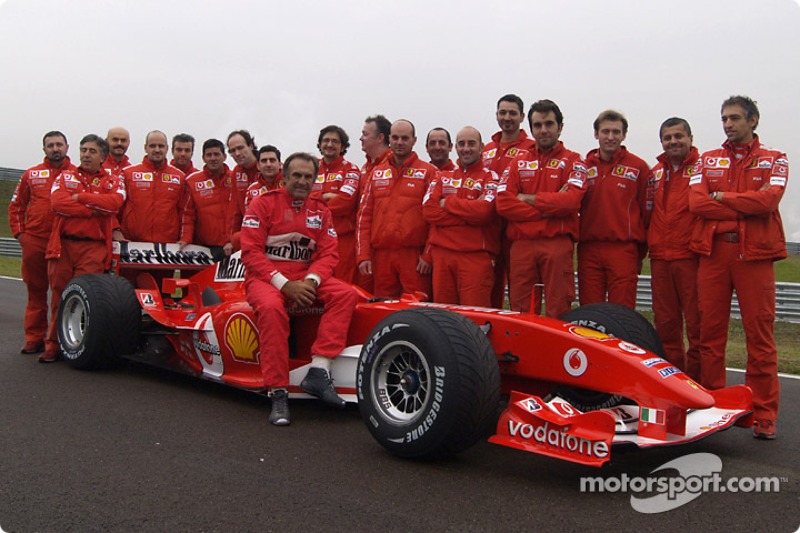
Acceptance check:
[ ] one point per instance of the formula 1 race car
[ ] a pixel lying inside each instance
(428, 378)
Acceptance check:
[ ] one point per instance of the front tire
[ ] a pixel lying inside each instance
(99, 318)
(428, 383)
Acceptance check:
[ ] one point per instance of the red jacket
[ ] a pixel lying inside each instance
(447, 167)
(188, 169)
(615, 205)
(259, 188)
(288, 238)
(341, 177)
(497, 156)
(114, 167)
(671, 223)
(91, 215)
(156, 201)
(464, 222)
(558, 179)
(30, 210)
(390, 215)
(753, 185)
(210, 208)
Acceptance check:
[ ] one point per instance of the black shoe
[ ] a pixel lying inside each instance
(280, 408)
(318, 383)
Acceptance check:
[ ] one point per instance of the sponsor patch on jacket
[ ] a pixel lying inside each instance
(490, 154)
(39, 173)
(628, 173)
(553, 163)
(142, 176)
(717, 162)
(697, 179)
(591, 173)
(251, 221)
(348, 190)
(242, 177)
(781, 161)
(332, 232)
(314, 220)
(688, 172)
(293, 246)
(203, 185)
(765, 162)
(576, 179)
(334, 177)
(171, 178)
(527, 165)
(512, 152)
(320, 179)
(777, 180)
(417, 174)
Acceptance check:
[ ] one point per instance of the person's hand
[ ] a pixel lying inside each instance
(117, 235)
(365, 267)
(228, 248)
(301, 293)
(423, 267)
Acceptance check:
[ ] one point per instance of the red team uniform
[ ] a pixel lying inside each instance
(613, 228)
(284, 239)
(157, 199)
(543, 235)
(31, 214)
(738, 239)
(208, 215)
(462, 243)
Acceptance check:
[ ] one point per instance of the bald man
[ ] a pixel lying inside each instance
(157, 197)
(118, 139)
(460, 210)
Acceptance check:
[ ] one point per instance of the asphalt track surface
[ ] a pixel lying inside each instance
(140, 449)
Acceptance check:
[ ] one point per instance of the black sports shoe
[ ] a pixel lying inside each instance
(280, 408)
(318, 383)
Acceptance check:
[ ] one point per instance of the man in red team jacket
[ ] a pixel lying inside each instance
(739, 235)
(289, 249)
(30, 218)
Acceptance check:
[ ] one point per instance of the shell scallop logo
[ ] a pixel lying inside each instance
(241, 339)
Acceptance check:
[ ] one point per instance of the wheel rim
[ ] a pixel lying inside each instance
(73, 322)
(402, 381)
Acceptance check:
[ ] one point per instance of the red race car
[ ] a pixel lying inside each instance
(428, 378)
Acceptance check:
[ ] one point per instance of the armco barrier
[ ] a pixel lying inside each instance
(787, 294)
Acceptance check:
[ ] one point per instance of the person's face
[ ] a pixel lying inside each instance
(91, 157)
(509, 117)
(609, 135)
(182, 153)
(155, 147)
(299, 178)
(214, 158)
(468, 146)
(269, 165)
(676, 142)
(402, 139)
(370, 138)
(545, 129)
(738, 128)
(438, 147)
(118, 142)
(241, 152)
(330, 146)
(55, 149)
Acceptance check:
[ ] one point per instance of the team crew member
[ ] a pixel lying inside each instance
(740, 233)
(269, 178)
(182, 152)
(157, 197)
(338, 185)
(540, 196)
(438, 144)
(673, 265)
(613, 230)
(85, 202)
(508, 143)
(242, 148)
(209, 209)
(392, 232)
(460, 209)
(30, 218)
(289, 249)
(119, 140)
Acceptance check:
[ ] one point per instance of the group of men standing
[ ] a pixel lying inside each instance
(504, 217)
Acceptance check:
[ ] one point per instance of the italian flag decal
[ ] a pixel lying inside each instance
(653, 416)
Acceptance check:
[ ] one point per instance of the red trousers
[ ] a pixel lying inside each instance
(464, 278)
(674, 286)
(718, 275)
(269, 305)
(34, 274)
(608, 267)
(395, 273)
(77, 257)
(346, 269)
(543, 265)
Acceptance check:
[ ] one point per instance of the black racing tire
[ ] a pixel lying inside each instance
(428, 383)
(621, 322)
(99, 319)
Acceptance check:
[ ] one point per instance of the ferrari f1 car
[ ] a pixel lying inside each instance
(428, 378)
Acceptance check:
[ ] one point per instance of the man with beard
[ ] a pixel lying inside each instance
(30, 218)
(118, 139)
